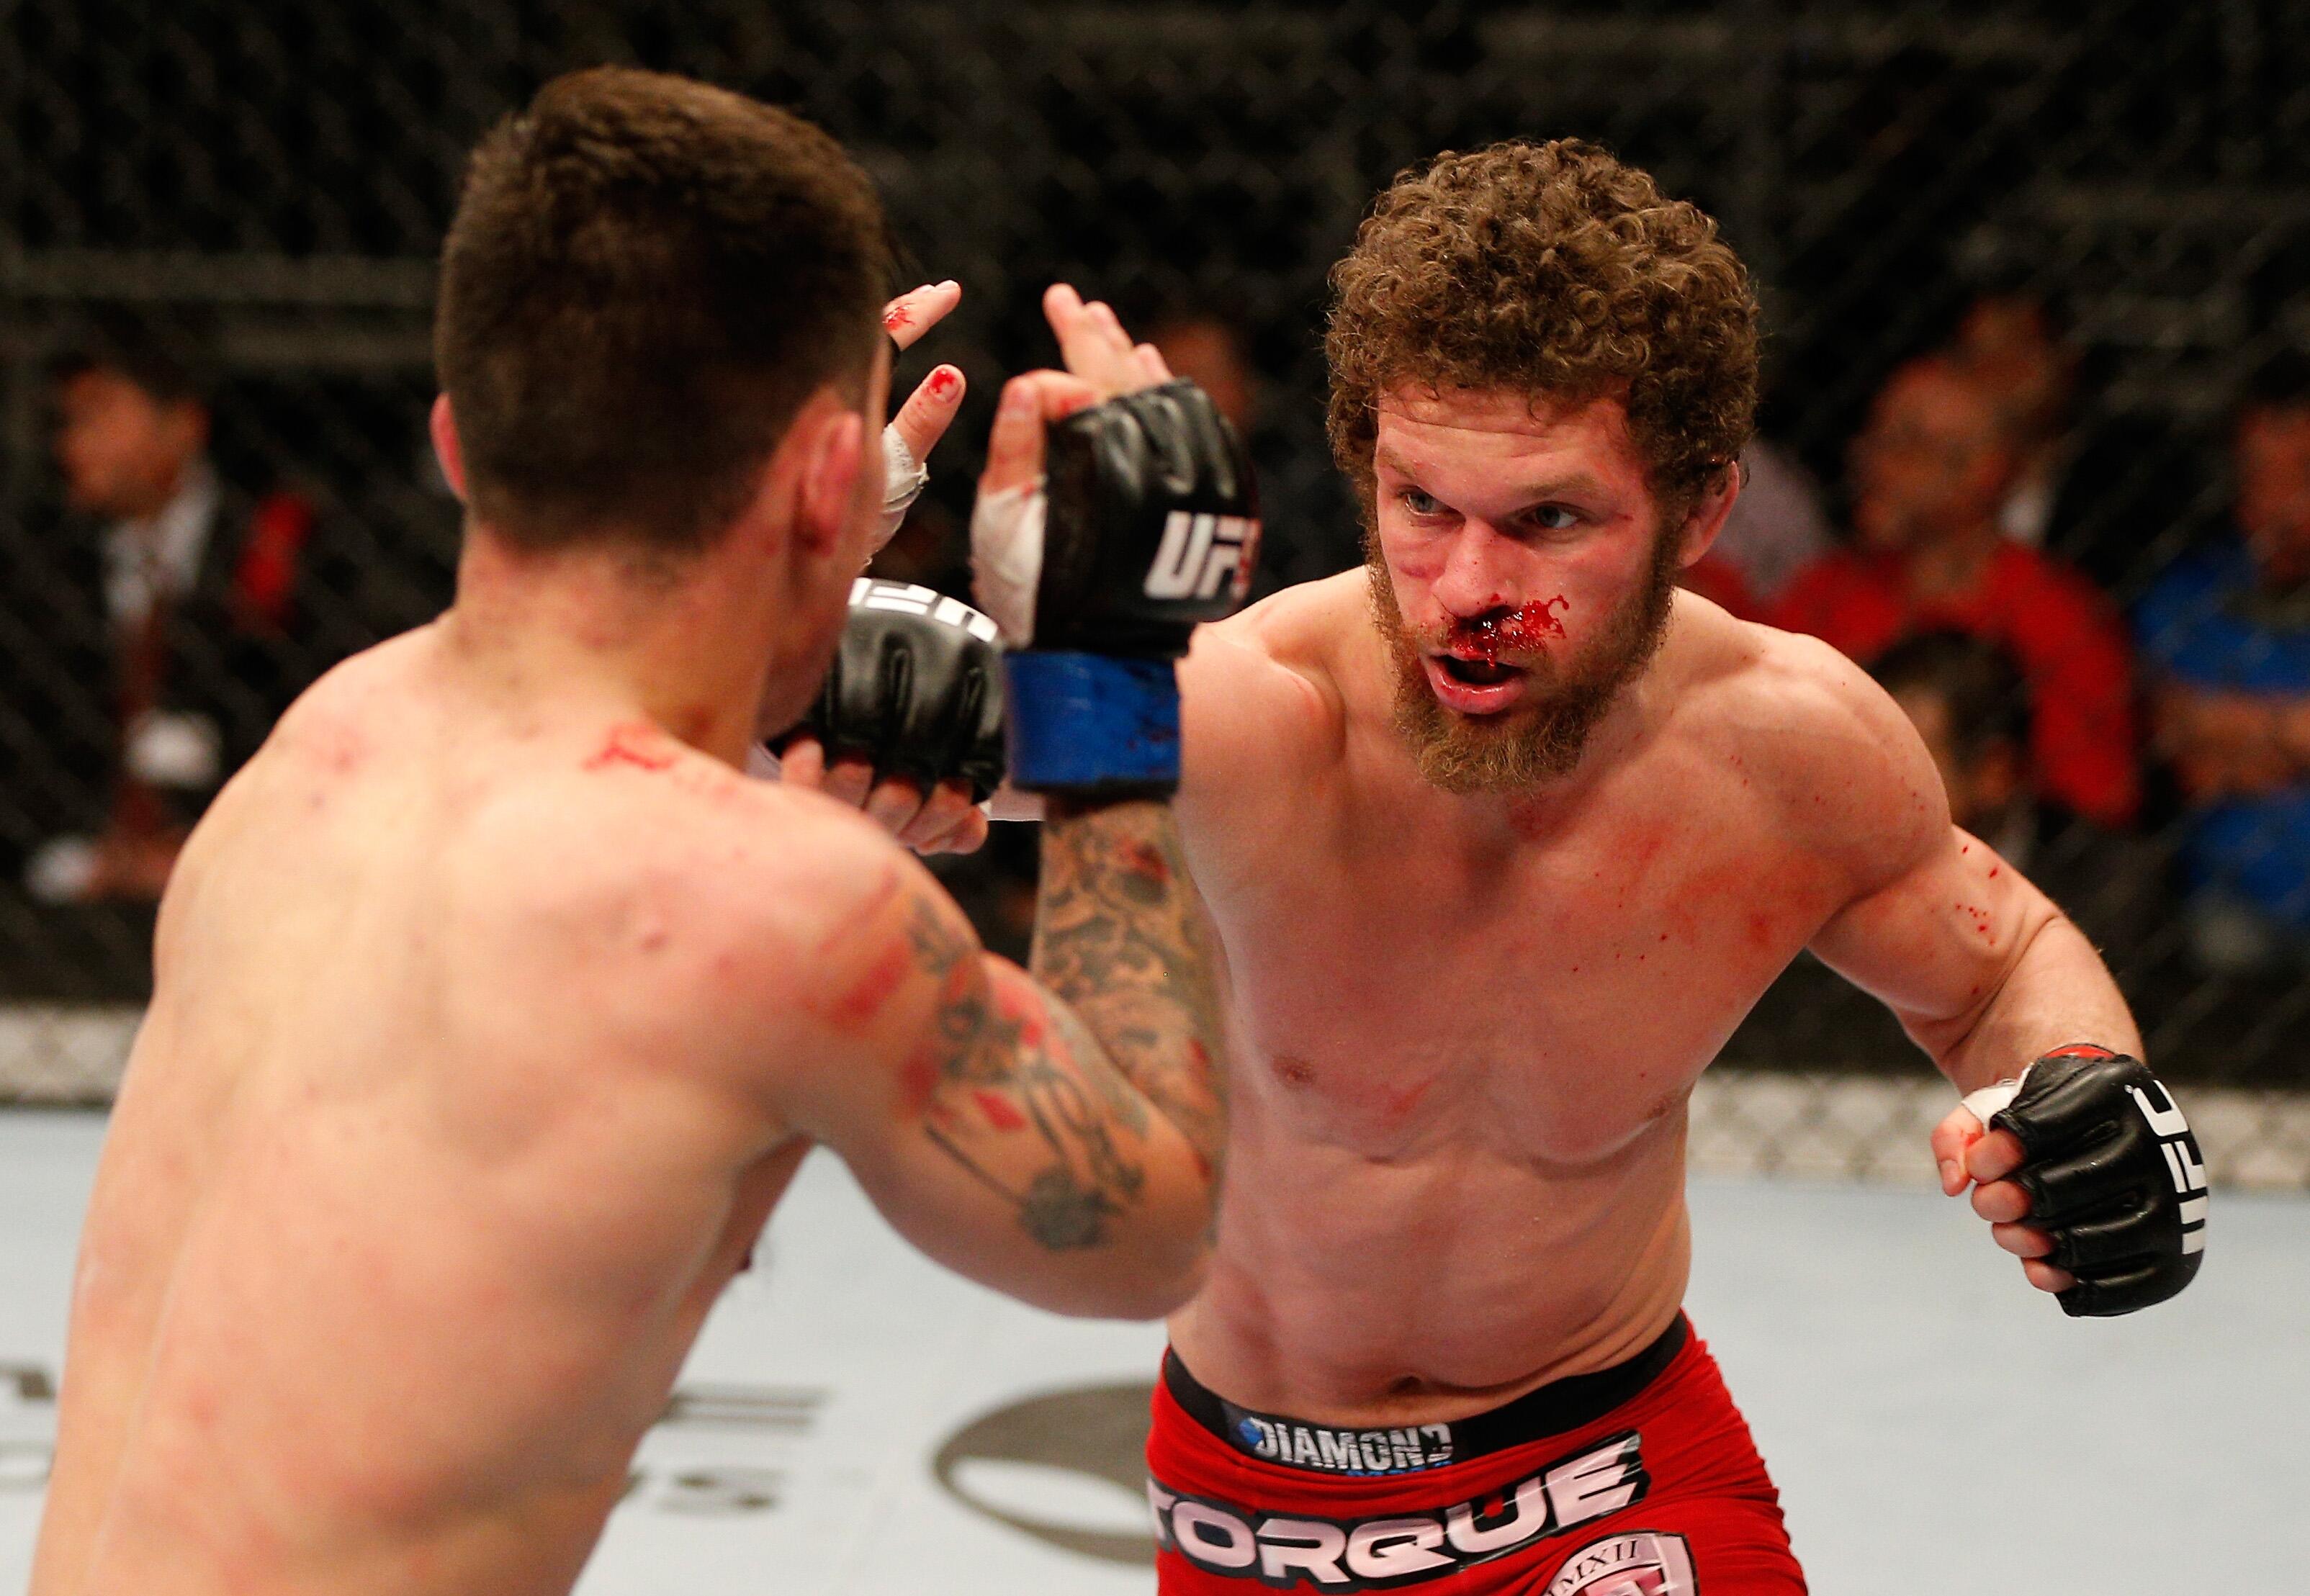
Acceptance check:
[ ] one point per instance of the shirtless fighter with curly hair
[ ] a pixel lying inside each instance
(1502, 836)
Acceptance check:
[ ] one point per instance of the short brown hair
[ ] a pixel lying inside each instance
(646, 278)
(1554, 270)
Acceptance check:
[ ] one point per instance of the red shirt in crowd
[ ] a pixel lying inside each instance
(2047, 617)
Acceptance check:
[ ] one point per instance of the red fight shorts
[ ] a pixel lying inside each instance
(1637, 1480)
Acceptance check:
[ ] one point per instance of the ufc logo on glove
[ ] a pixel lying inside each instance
(1093, 621)
(1198, 552)
(909, 598)
(2180, 1151)
(2113, 1176)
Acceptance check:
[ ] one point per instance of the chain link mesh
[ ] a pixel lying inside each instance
(271, 183)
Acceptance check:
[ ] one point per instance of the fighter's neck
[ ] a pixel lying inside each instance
(578, 634)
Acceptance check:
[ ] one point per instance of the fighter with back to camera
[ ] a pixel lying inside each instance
(494, 1009)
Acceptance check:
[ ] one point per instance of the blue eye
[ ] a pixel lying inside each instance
(1553, 518)
(1418, 502)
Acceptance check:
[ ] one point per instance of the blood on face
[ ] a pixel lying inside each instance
(1519, 630)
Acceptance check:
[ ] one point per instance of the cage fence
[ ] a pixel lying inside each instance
(269, 185)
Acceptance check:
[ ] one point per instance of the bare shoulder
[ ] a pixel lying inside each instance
(1762, 677)
(1297, 631)
(772, 876)
(353, 705)
(1268, 681)
(1810, 729)
(323, 738)
(722, 904)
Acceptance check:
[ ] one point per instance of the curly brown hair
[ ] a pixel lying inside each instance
(1555, 270)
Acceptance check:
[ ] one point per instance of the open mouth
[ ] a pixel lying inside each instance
(1476, 673)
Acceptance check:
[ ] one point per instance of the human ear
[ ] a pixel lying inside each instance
(443, 426)
(1707, 516)
(833, 455)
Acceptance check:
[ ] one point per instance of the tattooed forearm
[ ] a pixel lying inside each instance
(1013, 1067)
(1047, 1090)
(1119, 936)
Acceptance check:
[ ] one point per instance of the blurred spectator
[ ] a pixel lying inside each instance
(199, 585)
(1777, 528)
(2113, 493)
(1212, 352)
(2012, 344)
(2137, 490)
(2228, 629)
(1932, 470)
(1967, 700)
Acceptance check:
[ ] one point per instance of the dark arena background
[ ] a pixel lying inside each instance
(2100, 210)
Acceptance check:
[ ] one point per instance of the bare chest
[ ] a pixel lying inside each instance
(1402, 982)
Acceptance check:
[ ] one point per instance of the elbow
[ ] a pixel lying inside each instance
(1176, 1284)
(1156, 1285)
(1158, 1258)
(1155, 1252)
(1173, 1233)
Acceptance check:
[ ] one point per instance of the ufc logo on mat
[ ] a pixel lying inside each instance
(1200, 551)
(2180, 1151)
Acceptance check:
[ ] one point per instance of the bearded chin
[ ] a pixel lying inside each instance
(1542, 737)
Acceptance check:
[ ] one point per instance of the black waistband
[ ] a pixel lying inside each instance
(1549, 1410)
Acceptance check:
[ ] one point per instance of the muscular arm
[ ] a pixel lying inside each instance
(1055, 1136)
(1988, 976)
(1060, 1135)
(1120, 937)
(1983, 972)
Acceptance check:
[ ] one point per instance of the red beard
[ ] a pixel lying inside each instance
(1542, 737)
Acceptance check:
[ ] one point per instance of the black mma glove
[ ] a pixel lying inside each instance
(1145, 525)
(2113, 1175)
(916, 689)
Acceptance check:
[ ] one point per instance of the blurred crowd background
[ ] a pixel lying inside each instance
(2035, 448)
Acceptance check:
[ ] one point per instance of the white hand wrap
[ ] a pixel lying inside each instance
(1006, 559)
(904, 478)
(1989, 1099)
